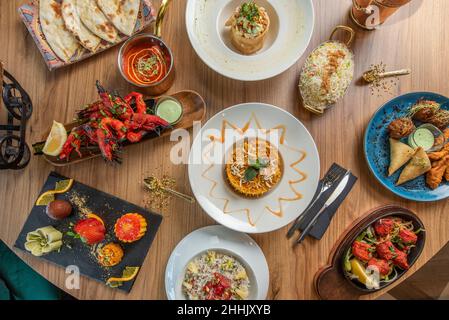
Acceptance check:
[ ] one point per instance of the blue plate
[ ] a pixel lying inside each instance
(377, 149)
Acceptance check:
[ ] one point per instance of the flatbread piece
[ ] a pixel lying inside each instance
(95, 20)
(60, 40)
(123, 14)
(73, 23)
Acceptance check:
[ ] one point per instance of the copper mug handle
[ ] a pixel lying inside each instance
(347, 29)
(160, 18)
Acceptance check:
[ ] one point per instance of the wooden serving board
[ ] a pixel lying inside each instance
(194, 108)
(330, 281)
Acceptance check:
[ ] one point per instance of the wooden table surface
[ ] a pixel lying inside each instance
(415, 37)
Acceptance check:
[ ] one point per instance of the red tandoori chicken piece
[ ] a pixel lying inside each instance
(382, 266)
(362, 250)
(401, 260)
(384, 227)
(386, 250)
(408, 237)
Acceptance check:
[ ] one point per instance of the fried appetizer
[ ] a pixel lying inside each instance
(419, 165)
(424, 110)
(435, 176)
(401, 128)
(400, 154)
(440, 119)
(249, 26)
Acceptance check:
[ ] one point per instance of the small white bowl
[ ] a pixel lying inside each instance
(223, 240)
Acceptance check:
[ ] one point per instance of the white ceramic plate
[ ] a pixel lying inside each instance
(220, 239)
(292, 23)
(207, 162)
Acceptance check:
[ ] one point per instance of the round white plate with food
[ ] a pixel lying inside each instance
(254, 168)
(217, 263)
(250, 41)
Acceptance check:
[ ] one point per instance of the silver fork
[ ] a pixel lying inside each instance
(328, 181)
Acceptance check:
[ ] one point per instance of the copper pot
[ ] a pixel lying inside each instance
(362, 14)
(157, 88)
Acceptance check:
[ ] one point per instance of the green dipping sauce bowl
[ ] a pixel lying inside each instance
(428, 137)
(169, 109)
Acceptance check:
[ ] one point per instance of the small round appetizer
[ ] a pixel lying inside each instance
(254, 167)
(130, 227)
(90, 230)
(249, 26)
(59, 209)
(215, 276)
(110, 254)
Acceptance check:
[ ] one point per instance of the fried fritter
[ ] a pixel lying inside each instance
(424, 110)
(435, 176)
(401, 128)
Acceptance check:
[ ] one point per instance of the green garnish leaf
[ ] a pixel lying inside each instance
(249, 10)
(254, 167)
(251, 174)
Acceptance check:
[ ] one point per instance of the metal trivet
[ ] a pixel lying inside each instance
(14, 152)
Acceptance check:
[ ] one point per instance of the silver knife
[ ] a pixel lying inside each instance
(334, 196)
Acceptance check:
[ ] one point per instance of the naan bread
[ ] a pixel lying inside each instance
(95, 20)
(123, 14)
(73, 23)
(419, 165)
(60, 40)
(400, 154)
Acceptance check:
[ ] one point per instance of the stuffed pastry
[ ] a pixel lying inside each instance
(249, 26)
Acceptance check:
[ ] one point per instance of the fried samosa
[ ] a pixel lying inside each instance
(400, 154)
(419, 165)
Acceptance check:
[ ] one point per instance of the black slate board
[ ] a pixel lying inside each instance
(109, 208)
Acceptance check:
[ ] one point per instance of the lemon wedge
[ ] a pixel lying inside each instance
(56, 139)
(359, 270)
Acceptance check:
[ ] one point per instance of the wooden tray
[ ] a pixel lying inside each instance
(30, 16)
(330, 281)
(194, 108)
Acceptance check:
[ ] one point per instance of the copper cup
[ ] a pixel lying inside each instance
(157, 88)
(363, 17)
